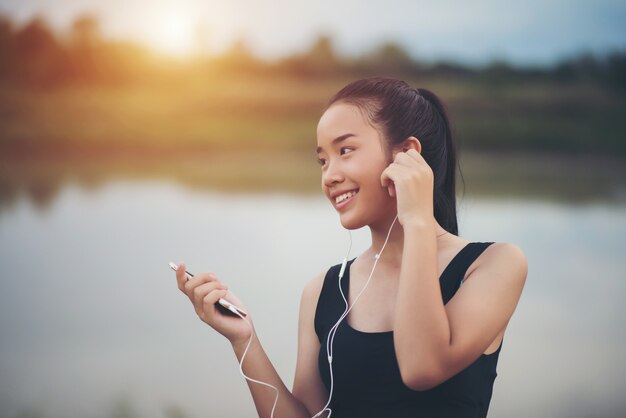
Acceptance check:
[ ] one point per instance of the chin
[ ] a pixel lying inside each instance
(351, 226)
(352, 223)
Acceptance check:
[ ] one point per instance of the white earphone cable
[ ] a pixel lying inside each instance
(331, 334)
(244, 356)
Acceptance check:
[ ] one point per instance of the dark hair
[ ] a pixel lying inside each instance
(399, 111)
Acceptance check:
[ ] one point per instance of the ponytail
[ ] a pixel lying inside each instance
(400, 111)
(445, 202)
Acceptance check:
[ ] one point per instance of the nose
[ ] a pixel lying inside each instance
(332, 174)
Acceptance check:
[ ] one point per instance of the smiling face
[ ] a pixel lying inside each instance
(352, 155)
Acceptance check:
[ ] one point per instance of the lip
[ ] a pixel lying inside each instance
(345, 202)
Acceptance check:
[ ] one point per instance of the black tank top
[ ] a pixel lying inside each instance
(366, 376)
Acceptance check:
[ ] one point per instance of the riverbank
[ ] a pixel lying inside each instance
(548, 176)
(260, 113)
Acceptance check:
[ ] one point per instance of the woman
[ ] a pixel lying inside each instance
(424, 338)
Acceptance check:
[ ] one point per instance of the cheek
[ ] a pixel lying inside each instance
(375, 170)
(373, 184)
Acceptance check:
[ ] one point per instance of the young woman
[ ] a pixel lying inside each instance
(424, 338)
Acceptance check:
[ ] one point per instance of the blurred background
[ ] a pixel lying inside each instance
(134, 133)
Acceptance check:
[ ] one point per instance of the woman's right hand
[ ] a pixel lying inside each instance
(204, 290)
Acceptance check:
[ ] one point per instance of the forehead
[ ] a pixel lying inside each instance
(339, 119)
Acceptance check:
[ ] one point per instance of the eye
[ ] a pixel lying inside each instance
(344, 150)
(321, 161)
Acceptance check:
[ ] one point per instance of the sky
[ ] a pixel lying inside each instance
(529, 32)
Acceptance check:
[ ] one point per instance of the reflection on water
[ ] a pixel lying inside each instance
(562, 178)
(92, 324)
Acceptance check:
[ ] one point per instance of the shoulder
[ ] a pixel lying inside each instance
(502, 259)
(313, 287)
(310, 298)
(507, 253)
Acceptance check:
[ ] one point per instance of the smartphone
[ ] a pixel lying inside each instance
(223, 305)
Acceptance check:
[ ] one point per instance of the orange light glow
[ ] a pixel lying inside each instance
(171, 31)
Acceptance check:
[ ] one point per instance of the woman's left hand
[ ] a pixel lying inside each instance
(409, 178)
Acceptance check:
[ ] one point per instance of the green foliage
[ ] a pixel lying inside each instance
(90, 95)
(34, 55)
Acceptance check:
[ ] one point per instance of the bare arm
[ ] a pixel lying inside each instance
(309, 394)
(307, 384)
(204, 290)
(257, 366)
(434, 342)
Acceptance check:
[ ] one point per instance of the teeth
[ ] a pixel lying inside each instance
(344, 196)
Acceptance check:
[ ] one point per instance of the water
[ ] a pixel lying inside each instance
(93, 325)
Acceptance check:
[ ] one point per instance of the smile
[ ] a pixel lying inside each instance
(343, 199)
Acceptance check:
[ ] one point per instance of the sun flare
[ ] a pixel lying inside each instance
(172, 32)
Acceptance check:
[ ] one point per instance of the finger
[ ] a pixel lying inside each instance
(199, 292)
(406, 159)
(387, 179)
(204, 277)
(211, 298)
(385, 176)
(389, 174)
(414, 154)
(181, 276)
(420, 162)
(199, 279)
(182, 270)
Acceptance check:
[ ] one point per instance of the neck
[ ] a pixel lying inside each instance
(392, 253)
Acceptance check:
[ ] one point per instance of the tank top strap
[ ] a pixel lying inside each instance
(330, 304)
(455, 271)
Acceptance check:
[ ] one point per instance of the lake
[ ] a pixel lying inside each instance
(93, 325)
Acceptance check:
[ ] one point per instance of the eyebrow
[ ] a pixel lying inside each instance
(336, 141)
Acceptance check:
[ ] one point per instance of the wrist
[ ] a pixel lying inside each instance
(240, 346)
(418, 224)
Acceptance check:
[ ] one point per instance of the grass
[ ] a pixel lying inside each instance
(533, 139)
(214, 114)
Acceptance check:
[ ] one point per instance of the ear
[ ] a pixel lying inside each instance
(409, 143)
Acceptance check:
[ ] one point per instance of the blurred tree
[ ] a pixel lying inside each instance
(499, 67)
(449, 69)
(123, 62)
(237, 59)
(39, 58)
(6, 46)
(499, 72)
(85, 32)
(319, 60)
(389, 58)
(616, 69)
(93, 59)
(582, 67)
(84, 48)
